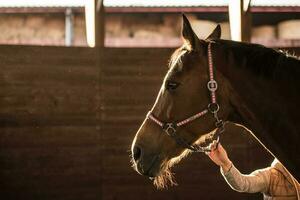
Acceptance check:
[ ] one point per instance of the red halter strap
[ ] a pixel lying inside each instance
(170, 128)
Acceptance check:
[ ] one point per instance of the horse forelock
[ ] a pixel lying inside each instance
(176, 58)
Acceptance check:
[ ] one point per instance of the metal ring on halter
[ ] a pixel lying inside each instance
(213, 110)
(170, 129)
(212, 85)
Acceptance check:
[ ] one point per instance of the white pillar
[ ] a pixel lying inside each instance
(239, 16)
(90, 22)
(69, 27)
(94, 19)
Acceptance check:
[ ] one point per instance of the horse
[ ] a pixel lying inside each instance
(210, 83)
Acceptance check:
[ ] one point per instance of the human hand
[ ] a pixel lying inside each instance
(219, 156)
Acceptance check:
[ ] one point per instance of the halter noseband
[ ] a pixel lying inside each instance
(170, 128)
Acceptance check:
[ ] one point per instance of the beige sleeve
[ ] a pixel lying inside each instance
(257, 181)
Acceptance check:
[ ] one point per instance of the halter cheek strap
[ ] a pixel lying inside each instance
(170, 128)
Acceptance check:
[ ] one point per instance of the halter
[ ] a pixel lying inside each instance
(170, 128)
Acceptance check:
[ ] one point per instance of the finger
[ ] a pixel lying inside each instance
(220, 146)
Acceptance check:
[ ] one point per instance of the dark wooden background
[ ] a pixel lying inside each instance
(68, 117)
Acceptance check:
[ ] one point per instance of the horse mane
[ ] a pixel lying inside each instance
(263, 61)
(267, 84)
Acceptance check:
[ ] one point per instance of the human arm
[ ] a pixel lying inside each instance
(219, 156)
(257, 181)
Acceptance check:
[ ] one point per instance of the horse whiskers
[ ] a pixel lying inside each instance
(166, 178)
(131, 157)
(132, 161)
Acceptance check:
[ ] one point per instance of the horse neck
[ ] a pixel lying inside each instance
(265, 88)
(265, 102)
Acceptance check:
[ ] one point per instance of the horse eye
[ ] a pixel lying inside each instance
(172, 85)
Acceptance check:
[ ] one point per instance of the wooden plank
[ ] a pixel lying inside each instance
(49, 136)
(39, 157)
(51, 100)
(40, 55)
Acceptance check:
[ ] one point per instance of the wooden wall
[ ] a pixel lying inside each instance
(49, 137)
(67, 123)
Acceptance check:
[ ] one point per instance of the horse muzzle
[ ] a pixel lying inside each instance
(145, 164)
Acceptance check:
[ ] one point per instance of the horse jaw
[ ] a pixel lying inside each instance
(166, 177)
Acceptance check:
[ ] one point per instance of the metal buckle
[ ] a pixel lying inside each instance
(170, 129)
(220, 126)
(213, 107)
(212, 85)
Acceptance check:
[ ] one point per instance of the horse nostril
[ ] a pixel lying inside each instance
(137, 152)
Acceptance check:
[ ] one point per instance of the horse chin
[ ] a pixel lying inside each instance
(165, 177)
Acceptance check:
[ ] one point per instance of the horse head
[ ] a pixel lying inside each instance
(183, 93)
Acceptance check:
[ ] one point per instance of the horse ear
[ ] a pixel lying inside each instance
(188, 34)
(216, 34)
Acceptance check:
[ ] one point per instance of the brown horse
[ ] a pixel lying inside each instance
(257, 87)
